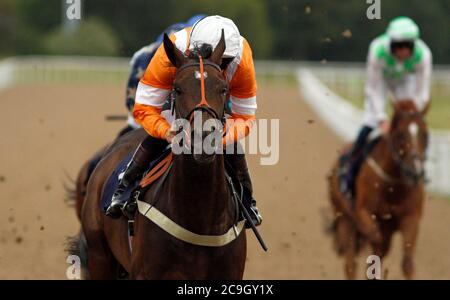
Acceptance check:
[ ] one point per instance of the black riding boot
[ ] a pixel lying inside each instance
(136, 168)
(352, 162)
(239, 164)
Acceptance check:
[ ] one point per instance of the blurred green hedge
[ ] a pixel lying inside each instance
(91, 37)
(276, 29)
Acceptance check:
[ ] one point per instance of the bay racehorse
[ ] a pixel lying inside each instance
(76, 195)
(194, 195)
(389, 193)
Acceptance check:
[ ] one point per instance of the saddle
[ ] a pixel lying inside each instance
(152, 173)
(157, 169)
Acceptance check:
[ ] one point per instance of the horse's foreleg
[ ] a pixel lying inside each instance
(367, 225)
(345, 244)
(409, 227)
(101, 262)
(382, 249)
(350, 251)
(101, 267)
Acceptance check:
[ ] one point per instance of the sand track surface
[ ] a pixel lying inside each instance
(47, 131)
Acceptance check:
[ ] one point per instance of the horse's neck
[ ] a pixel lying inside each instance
(199, 197)
(383, 156)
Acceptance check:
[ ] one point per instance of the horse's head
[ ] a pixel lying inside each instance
(200, 92)
(408, 140)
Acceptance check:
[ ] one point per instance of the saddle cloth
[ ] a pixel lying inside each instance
(113, 180)
(345, 169)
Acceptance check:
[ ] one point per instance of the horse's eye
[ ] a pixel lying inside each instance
(177, 90)
(224, 91)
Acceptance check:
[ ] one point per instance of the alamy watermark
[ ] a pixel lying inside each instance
(214, 137)
(374, 268)
(73, 272)
(374, 9)
(72, 9)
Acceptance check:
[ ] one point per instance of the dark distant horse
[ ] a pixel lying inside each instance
(76, 195)
(389, 193)
(194, 195)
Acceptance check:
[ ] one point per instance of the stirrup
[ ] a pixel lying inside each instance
(115, 209)
(129, 208)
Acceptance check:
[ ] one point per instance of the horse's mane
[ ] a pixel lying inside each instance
(404, 108)
(205, 50)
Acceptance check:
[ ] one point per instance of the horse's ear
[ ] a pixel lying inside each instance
(175, 56)
(406, 106)
(216, 56)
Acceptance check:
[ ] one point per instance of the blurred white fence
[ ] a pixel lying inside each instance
(64, 69)
(343, 118)
(6, 73)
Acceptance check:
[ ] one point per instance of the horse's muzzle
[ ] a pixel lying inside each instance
(205, 145)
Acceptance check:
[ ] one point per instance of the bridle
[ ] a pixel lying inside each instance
(203, 105)
(407, 170)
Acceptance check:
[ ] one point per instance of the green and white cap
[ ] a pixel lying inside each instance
(403, 29)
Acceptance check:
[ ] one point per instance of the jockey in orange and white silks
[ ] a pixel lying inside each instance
(155, 87)
(139, 63)
(157, 82)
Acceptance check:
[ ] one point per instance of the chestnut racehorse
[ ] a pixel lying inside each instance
(389, 193)
(194, 194)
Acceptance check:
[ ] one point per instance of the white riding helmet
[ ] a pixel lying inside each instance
(208, 31)
(403, 29)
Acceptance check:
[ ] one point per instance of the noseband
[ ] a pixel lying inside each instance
(406, 169)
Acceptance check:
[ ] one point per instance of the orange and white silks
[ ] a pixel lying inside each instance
(157, 83)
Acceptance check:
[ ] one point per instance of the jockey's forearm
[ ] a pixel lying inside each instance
(237, 127)
(147, 109)
(150, 119)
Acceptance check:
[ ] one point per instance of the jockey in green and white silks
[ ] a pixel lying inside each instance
(399, 63)
(405, 78)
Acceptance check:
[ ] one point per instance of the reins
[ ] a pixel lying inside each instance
(406, 170)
